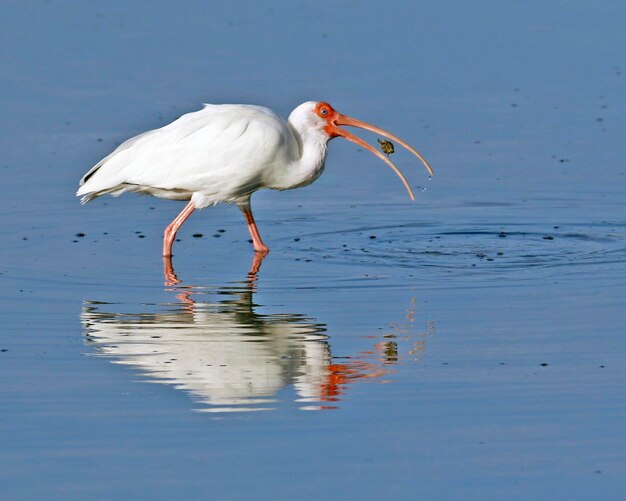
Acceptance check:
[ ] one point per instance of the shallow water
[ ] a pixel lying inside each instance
(466, 345)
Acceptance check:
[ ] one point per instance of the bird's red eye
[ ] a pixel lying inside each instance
(323, 110)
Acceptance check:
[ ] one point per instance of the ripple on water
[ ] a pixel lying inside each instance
(466, 249)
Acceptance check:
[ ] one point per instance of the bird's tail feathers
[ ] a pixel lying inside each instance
(87, 198)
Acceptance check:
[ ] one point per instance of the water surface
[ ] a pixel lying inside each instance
(467, 345)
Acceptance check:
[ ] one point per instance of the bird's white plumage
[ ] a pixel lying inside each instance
(221, 153)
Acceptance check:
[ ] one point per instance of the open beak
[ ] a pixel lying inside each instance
(334, 130)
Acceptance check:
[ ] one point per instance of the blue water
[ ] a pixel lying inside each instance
(468, 345)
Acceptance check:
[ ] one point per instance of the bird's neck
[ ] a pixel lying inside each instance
(309, 164)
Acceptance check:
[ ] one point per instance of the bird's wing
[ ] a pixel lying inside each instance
(221, 150)
(124, 146)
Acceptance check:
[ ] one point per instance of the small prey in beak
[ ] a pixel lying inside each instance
(335, 119)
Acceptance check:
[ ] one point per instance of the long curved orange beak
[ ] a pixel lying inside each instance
(336, 119)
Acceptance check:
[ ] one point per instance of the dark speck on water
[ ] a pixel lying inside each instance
(197, 235)
(80, 235)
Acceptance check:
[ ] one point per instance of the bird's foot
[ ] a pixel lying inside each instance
(261, 248)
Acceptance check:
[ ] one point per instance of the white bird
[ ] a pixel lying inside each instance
(224, 153)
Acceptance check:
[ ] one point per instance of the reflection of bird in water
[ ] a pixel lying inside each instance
(213, 344)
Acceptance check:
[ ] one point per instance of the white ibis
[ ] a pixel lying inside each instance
(224, 153)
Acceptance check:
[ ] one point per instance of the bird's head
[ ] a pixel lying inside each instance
(325, 119)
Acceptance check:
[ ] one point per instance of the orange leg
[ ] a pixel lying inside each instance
(170, 232)
(259, 246)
